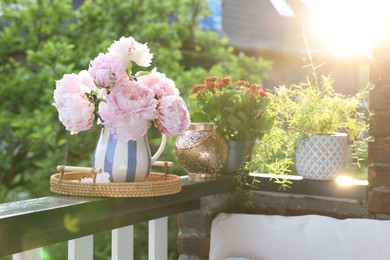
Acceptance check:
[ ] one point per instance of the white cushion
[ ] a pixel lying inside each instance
(309, 237)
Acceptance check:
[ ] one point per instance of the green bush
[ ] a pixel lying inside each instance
(43, 39)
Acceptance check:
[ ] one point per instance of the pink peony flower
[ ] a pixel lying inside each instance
(141, 55)
(106, 70)
(173, 117)
(127, 49)
(124, 127)
(129, 110)
(103, 177)
(69, 84)
(122, 48)
(77, 113)
(127, 106)
(159, 83)
(88, 85)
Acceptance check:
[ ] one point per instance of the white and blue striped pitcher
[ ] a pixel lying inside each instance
(125, 161)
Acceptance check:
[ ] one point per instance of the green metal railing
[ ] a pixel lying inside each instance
(34, 223)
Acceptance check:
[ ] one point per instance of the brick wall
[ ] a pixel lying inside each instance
(194, 226)
(378, 198)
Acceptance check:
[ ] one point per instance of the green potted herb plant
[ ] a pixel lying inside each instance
(314, 126)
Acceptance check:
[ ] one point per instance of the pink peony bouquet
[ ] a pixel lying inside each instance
(126, 103)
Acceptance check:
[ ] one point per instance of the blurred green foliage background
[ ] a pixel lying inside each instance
(40, 40)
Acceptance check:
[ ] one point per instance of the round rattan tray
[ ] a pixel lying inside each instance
(157, 184)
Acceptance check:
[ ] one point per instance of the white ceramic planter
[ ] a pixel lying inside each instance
(321, 157)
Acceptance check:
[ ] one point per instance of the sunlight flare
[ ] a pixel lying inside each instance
(347, 181)
(350, 25)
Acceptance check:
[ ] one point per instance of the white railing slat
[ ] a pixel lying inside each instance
(122, 243)
(158, 239)
(81, 248)
(34, 254)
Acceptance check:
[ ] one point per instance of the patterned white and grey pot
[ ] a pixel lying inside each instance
(321, 157)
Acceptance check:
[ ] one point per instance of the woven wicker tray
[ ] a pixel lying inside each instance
(68, 183)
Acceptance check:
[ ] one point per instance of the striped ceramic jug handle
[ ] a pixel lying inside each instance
(160, 149)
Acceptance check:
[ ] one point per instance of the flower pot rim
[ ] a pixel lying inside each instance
(334, 134)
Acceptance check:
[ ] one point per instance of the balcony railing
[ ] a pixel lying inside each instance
(26, 226)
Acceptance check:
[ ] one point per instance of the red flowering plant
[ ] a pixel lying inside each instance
(240, 110)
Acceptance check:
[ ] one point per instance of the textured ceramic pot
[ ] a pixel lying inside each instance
(321, 157)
